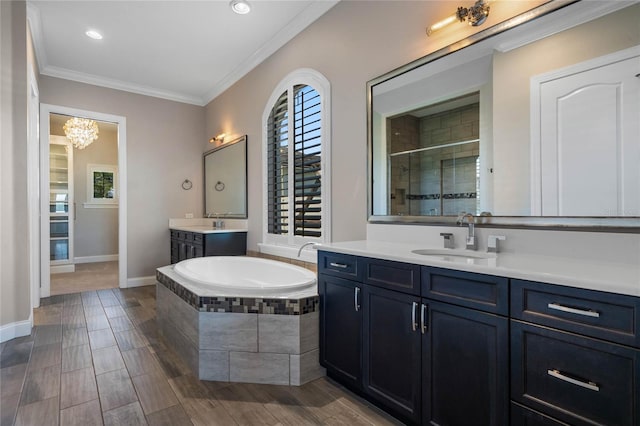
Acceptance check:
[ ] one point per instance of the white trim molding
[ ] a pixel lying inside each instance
(95, 259)
(141, 281)
(302, 76)
(16, 329)
(45, 111)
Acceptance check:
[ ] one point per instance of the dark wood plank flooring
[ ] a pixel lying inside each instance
(95, 358)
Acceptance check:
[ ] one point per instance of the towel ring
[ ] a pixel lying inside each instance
(187, 185)
(219, 186)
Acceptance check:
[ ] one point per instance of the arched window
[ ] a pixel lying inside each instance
(296, 137)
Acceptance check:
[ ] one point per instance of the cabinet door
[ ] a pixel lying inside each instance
(341, 329)
(392, 351)
(175, 250)
(224, 244)
(465, 366)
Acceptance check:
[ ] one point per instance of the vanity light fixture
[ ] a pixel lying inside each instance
(81, 131)
(474, 15)
(219, 138)
(94, 34)
(241, 7)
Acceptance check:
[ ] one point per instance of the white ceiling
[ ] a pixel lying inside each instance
(187, 51)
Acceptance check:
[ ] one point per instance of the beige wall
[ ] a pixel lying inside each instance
(14, 250)
(163, 149)
(352, 43)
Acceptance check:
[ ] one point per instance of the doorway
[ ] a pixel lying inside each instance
(83, 204)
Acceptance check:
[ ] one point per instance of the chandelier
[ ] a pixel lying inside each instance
(81, 131)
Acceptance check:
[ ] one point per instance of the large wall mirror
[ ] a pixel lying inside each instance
(225, 180)
(532, 121)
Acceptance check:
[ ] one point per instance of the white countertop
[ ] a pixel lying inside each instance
(205, 229)
(622, 278)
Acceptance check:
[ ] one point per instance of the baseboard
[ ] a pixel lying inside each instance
(141, 281)
(94, 259)
(62, 269)
(16, 329)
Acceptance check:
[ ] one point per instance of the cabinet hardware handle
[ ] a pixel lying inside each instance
(423, 318)
(414, 324)
(356, 297)
(193, 251)
(587, 385)
(585, 312)
(338, 265)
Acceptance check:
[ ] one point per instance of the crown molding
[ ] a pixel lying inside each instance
(35, 26)
(305, 18)
(110, 83)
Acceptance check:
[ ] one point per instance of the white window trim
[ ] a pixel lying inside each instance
(287, 245)
(101, 203)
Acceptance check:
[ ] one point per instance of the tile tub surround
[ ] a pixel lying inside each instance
(240, 346)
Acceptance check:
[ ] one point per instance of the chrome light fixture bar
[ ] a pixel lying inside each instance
(475, 15)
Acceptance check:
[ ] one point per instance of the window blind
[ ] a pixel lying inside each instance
(304, 151)
(307, 160)
(277, 169)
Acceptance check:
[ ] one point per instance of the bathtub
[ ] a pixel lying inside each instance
(244, 276)
(241, 319)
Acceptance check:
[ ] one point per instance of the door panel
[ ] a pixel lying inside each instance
(590, 142)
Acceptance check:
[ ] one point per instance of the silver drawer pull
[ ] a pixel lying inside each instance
(356, 299)
(586, 313)
(338, 265)
(587, 385)
(414, 324)
(423, 318)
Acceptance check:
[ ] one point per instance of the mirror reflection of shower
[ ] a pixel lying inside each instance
(434, 159)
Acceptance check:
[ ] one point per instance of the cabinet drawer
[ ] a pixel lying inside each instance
(522, 416)
(484, 292)
(593, 313)
(339, 265)
(181, 235)
(392, 275)
(576, 379)
(197, 238)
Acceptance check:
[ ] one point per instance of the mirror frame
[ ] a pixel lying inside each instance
(240, 139)
(560, 223)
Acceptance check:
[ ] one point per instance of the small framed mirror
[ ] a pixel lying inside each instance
(225, 180)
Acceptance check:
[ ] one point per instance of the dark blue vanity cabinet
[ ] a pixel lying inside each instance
(422, 359)
(187, 245)
(444, 347)
(575, 356)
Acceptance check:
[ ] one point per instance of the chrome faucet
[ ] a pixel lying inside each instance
(218, 223)
(303, 246)
(471, 236)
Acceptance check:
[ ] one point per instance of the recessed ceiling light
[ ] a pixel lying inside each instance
(94, 35)
(240, 7)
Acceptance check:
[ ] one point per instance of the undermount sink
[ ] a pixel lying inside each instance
(463, 254)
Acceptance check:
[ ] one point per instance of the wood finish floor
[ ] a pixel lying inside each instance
(88, 276)
(96, 358)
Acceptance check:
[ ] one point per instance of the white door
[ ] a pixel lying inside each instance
(590, 141)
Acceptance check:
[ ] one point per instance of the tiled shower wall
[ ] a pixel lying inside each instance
(420, 180)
